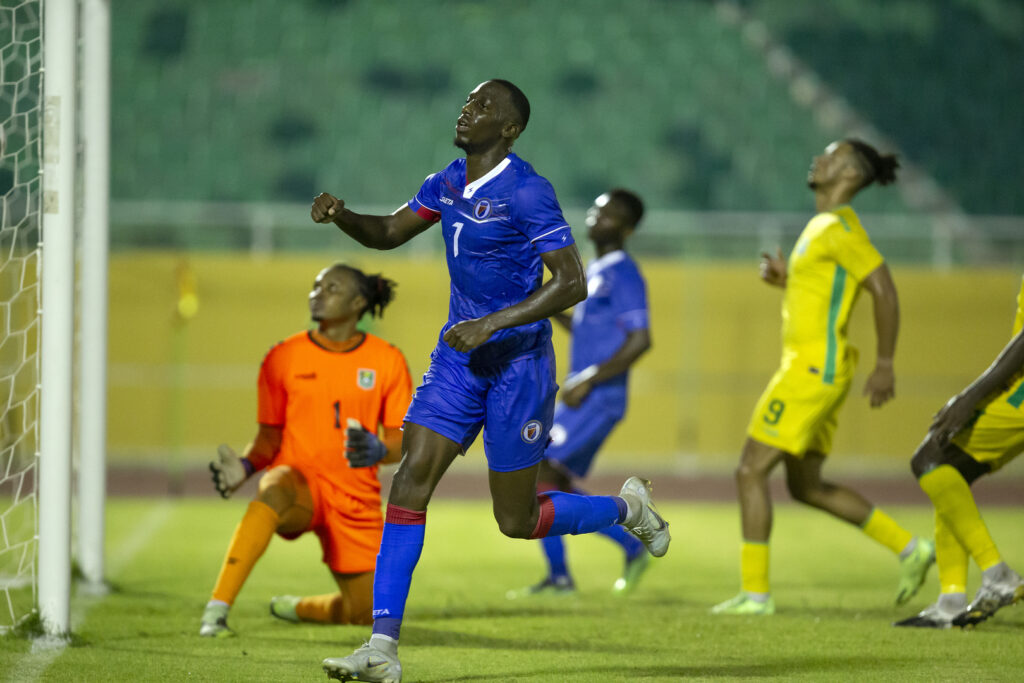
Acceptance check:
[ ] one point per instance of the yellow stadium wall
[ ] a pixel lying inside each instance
(177, 389)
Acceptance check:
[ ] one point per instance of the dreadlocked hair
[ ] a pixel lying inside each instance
(378, 290)
(881, 167)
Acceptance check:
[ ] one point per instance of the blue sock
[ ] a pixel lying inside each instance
(568, 513)
(630, 544)
(400, 549)
(554, 551)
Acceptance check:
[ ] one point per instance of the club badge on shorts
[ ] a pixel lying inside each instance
(366, 379)
(531, 431)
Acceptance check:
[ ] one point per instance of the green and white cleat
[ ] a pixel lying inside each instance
(1002, 590)
(635, 568)
(214, 623)
(284, 606)
(650, 527)
(914, 568)
(931, 616)
(368, 663)
(744, 604)
(560, 587)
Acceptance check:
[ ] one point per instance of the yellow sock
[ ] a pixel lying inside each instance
(251, 537)
(951, 558)
(323, 609)
(952, 499)
(886, 531)
(754, 567)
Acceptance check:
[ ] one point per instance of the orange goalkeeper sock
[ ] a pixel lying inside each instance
(323, 609)
(251, 537)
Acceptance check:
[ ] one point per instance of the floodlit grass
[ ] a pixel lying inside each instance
(833, 588)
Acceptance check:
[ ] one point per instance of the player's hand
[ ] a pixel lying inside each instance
(468, 334)
(326, 208)
(228, 471)
(881, 385)
(773, 268)
(574, 391)
(951, 418)
(362, 448)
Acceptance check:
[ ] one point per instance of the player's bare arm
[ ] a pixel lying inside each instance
(578, 386)
(952, 417)
(773, 268)
(392, 438)
(564, 319)
(880, 386)
(566, 287)
(376, 232)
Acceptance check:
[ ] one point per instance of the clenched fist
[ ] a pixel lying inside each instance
(326, 208)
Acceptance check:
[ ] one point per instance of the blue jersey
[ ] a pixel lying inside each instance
(616, 305)
(495, 230)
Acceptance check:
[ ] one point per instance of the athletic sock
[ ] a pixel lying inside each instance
(630, 544)
(886, 531)
(554, 551)
(952, 603)
(400, 548)
(952, 499)
(568, 513)
(754, 569)
(322, 609)
(951, 558)
(251, 537)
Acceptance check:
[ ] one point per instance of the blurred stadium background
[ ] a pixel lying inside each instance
(227, 120)
(228, 117)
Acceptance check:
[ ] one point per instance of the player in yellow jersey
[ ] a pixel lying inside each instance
(977, 432)
(794, 421)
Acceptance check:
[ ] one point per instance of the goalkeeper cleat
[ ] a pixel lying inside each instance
(645, 523)
(744, 604)
(1004, 589)
(551, 587)
(932, 616)
(635, 568)
(368, 663)
(284, 607)
(214, 623)
(914, 568)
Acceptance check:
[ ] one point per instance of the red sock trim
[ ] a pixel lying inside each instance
(400, 515)
(545, 518)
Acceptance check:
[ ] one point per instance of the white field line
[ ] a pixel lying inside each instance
(45, 650)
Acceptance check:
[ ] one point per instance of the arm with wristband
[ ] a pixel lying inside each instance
(229, 471)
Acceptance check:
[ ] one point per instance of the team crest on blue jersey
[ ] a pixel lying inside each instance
(531, 431)
(482, 209)
(366, 379)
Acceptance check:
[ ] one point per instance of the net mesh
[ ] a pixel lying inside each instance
(20, 190)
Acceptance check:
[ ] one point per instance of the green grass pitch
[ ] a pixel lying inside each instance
(833, 588)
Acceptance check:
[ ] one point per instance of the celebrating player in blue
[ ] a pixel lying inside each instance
(610, 332)
(493, 367)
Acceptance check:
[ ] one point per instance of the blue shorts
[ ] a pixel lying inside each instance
(513, 402)
(577, 435)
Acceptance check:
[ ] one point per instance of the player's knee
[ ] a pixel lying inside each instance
(515, 526)
(805, 493)
(927, 457)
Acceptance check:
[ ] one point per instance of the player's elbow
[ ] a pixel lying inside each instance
(576, 290)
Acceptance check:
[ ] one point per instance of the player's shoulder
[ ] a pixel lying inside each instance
(382, 347)
(842, 218)
(287, 346)
(524, 177)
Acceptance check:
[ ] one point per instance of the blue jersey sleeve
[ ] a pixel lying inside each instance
(629, 300)
(427, 202)
(536, 213)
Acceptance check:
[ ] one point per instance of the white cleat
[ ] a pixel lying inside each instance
(1001, 591)
(365, 664)
(649, 526)
(285, 607)
(214, 623)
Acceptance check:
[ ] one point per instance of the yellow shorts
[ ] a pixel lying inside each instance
(996, 436)
(797, 412)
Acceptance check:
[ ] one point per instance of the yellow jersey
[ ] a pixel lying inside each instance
(829, 261)
(1015, 392)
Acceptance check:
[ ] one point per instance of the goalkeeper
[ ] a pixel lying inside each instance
(331, 405)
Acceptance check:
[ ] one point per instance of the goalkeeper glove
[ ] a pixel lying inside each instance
(229, 471)
(362, 448)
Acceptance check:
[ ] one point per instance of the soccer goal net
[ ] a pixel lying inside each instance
(21, 122)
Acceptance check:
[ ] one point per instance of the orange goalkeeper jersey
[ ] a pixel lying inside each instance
(310, 392)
